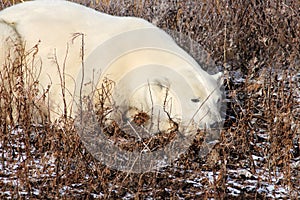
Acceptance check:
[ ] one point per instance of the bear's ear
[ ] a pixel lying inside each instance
(219, 78)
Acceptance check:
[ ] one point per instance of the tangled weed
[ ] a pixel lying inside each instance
(258, 45)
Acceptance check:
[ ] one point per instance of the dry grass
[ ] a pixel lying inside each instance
(258, 156)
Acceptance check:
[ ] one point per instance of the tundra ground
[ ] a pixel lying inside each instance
(258, 156)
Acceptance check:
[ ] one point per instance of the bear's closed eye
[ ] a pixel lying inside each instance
(195, 100)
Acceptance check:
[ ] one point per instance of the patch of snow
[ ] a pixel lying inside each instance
(195, 184)
(233, 191)
(258, 158)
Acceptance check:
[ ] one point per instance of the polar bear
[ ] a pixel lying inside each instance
(77, 45)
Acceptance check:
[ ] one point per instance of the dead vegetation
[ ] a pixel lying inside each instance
(256, 42)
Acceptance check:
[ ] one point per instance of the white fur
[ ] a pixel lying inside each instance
(51, 25)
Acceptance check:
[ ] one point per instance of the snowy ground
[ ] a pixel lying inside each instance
(26, 169)
(259, 154)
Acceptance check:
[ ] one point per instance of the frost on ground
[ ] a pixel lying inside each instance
(38, 164)
(258, 155)
(42, 169)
